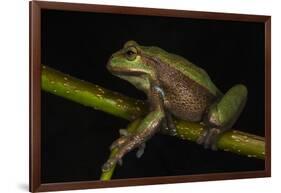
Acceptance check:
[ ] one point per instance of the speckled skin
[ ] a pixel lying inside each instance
(181, 91)
(174, 87)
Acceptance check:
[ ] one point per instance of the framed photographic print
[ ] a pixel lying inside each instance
(123, 96)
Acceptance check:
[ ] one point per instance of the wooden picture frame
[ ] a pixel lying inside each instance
(36, 8)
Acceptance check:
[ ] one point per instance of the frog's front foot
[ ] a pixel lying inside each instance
(124, 136)
(209, 138)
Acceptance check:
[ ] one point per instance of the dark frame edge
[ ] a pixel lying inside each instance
(79, 185)
(84, 7)
(34, 97)
(267, 27)
(35, 8)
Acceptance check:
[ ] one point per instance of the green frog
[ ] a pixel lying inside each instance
(175, 87)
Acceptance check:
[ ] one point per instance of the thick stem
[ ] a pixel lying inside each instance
(90, 95)
(119, 105)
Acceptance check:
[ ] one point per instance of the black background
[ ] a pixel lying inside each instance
(75, 139)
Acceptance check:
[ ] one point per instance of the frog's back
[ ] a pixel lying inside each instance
(184, 66)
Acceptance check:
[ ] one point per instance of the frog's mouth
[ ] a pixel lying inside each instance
(118, 71)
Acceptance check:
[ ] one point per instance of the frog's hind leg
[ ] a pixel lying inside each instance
(223, 114)
(147, 128)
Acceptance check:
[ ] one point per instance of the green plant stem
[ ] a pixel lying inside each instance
(119, 105)
(90, 95)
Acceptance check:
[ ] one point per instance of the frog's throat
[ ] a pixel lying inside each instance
(140, 82)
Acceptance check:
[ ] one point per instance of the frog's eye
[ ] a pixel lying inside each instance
(131, 53)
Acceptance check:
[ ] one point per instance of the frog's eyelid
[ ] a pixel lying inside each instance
(132, 48)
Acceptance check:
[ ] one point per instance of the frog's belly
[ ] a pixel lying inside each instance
(188, 105)
(183, 97)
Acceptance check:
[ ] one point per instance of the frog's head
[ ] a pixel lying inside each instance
(129, 61)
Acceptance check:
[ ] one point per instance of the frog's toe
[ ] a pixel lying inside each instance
(202, 138)
(123, 132)
(121, 140)
(214, 146)
(140, 151)
(118, 142)
(209, 138)
(120, 162)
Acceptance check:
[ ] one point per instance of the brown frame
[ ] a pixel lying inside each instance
(35, 8)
